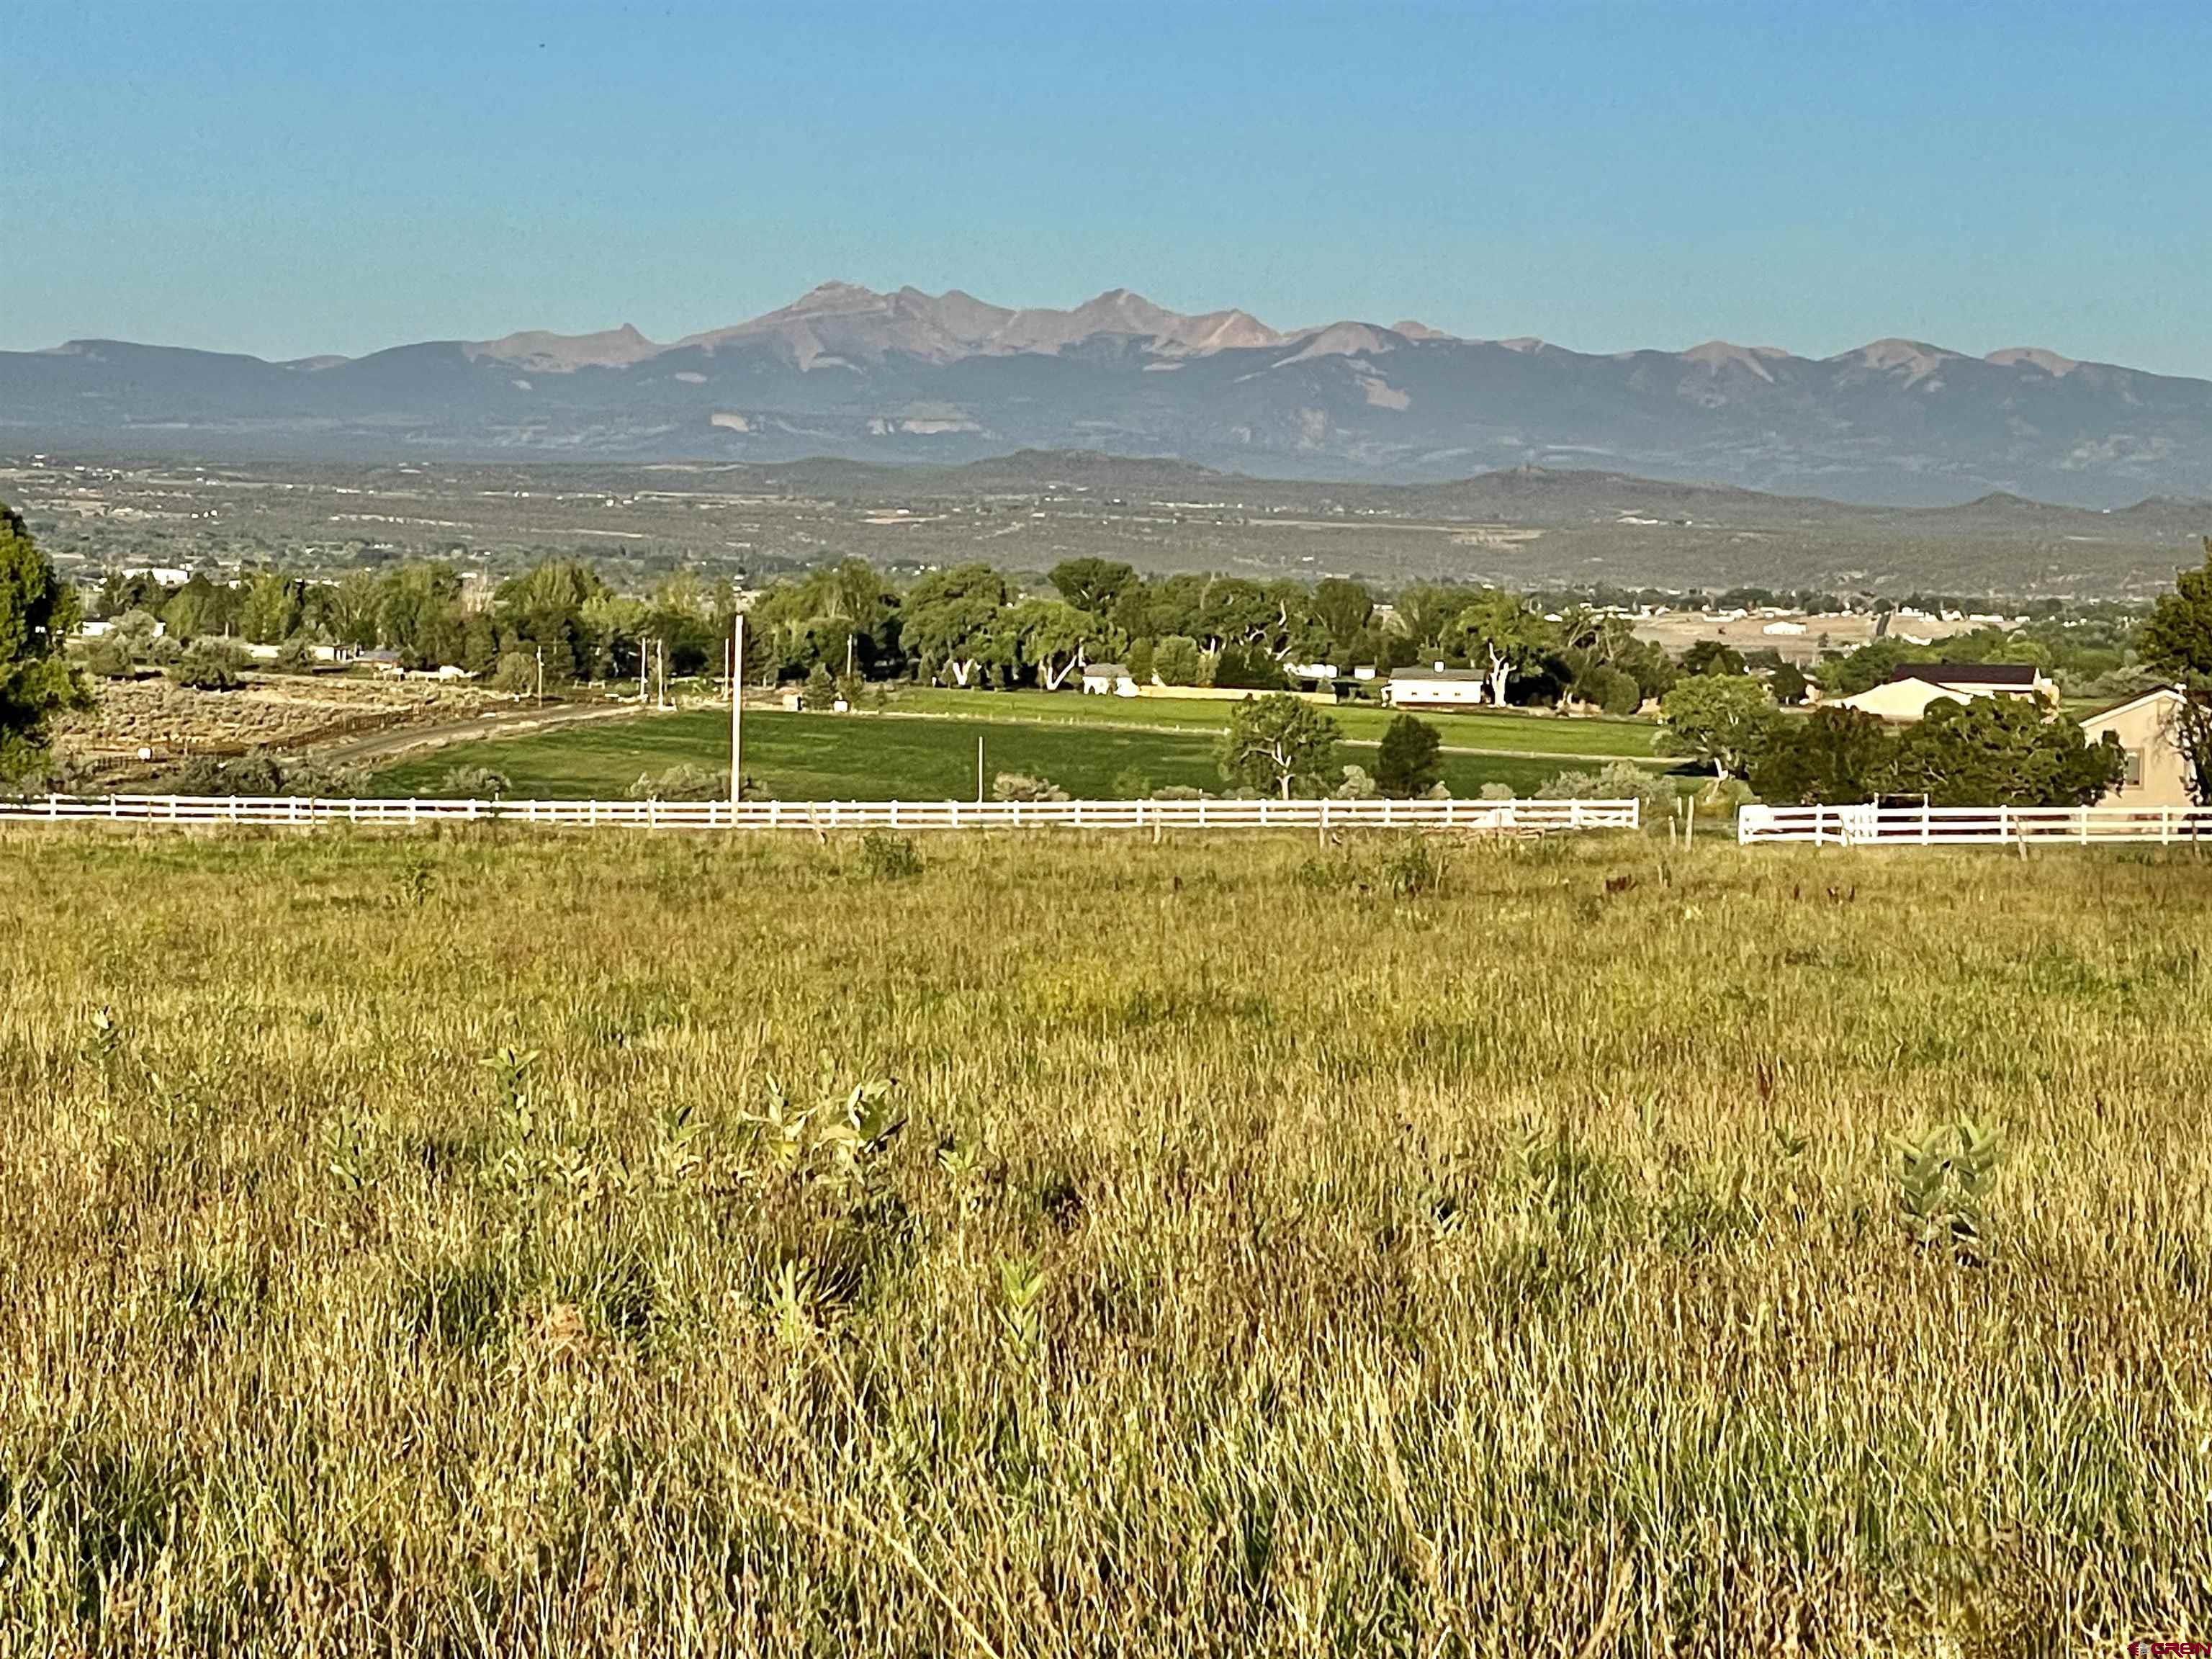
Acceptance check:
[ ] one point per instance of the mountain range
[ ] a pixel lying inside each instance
(907, 377)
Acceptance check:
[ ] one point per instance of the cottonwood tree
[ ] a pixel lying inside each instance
(1055, 638)
(1716, 718)
(1176, 660)
(1343, 607)
(2178, 640)
(1093, 585)
(1500, 635)
(952, 621)
(38, 613)
(1281, 743)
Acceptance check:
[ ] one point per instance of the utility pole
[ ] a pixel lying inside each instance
(661, 657)
(737, 716)
(979, 768)
(541, 677)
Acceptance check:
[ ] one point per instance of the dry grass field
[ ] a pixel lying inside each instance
(485, 1244)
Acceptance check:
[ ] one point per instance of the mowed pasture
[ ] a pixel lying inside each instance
(476, 1244)
(890, 757)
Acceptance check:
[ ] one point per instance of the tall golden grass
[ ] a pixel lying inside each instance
(542, 1246)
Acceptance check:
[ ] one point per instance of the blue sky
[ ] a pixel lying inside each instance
(324, 175)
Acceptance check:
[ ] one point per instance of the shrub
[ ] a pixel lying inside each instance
(110, 658)
(683, 782)
(516, 674)
(1020, 786)
(1130, 784)
(261, 775)
(1615, 781)
(208, 665)
(1356, 784)
(1414, 867)
(473, 783)
(886, 857)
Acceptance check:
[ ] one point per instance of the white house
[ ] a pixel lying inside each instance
(1107, 680)
(2147, 728)
(1908, 692)
(1435, 688)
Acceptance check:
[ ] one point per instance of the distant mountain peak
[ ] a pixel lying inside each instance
(2035, 357)
(1717, 355)
(546, 353)
(908, 375)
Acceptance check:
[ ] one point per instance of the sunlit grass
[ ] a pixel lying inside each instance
(1277, 1254)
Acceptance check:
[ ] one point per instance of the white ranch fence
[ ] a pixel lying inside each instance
(1497, 817)
(1972, 826)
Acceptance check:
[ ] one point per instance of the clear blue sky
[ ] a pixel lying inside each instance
(331, 175)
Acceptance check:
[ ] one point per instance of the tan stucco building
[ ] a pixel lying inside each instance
(2148, 728)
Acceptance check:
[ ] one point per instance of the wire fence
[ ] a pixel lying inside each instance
(1971, 826)
(1497, 817)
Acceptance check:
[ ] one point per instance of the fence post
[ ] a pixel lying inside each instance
(54, 805)
(1451, 814)
(1923, 820)
(2082, 820)
(1574, 814)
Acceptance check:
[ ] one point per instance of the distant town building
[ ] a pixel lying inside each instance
(1107, 680)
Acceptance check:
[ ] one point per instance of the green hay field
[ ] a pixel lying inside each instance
(861, 757)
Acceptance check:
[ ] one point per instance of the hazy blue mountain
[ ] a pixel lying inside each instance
(911, 377)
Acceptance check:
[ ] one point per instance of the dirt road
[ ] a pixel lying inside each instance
(378, 746)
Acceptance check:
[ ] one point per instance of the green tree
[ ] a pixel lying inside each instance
(270, 609)
(1053, 638)
(1787, 684)
(1712, 657)
(2002, 751)
(38, 614)
(1500, 634)
(1410, 760)
(2178, 640)
(1716, 718)
(1175, 660)
(953, 624)
(1282, 744)
(1343, 607)
(1832, 757)
(1097, 586)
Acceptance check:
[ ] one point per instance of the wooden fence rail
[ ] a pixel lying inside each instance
(1972, 826)
(1502, 817)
